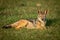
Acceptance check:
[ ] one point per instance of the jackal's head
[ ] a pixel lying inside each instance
(42, 15)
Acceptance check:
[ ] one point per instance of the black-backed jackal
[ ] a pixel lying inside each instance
(38, 24)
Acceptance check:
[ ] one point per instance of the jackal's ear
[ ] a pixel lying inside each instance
(39, 11)
(45, 11)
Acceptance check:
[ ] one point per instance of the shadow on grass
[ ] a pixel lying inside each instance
(52, 21)
(49, 22)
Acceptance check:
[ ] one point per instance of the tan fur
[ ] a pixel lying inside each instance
(39, 24)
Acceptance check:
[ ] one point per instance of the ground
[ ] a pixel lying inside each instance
(14, 10)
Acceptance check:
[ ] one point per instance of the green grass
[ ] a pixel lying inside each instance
(14, 10)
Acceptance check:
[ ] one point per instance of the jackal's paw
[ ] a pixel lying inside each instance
(41, 28)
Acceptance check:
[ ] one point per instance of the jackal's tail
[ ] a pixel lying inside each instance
(7, 26)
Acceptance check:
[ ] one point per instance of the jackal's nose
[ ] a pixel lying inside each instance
(43, 19)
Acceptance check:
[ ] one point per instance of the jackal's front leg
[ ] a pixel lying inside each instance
(39, 25)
